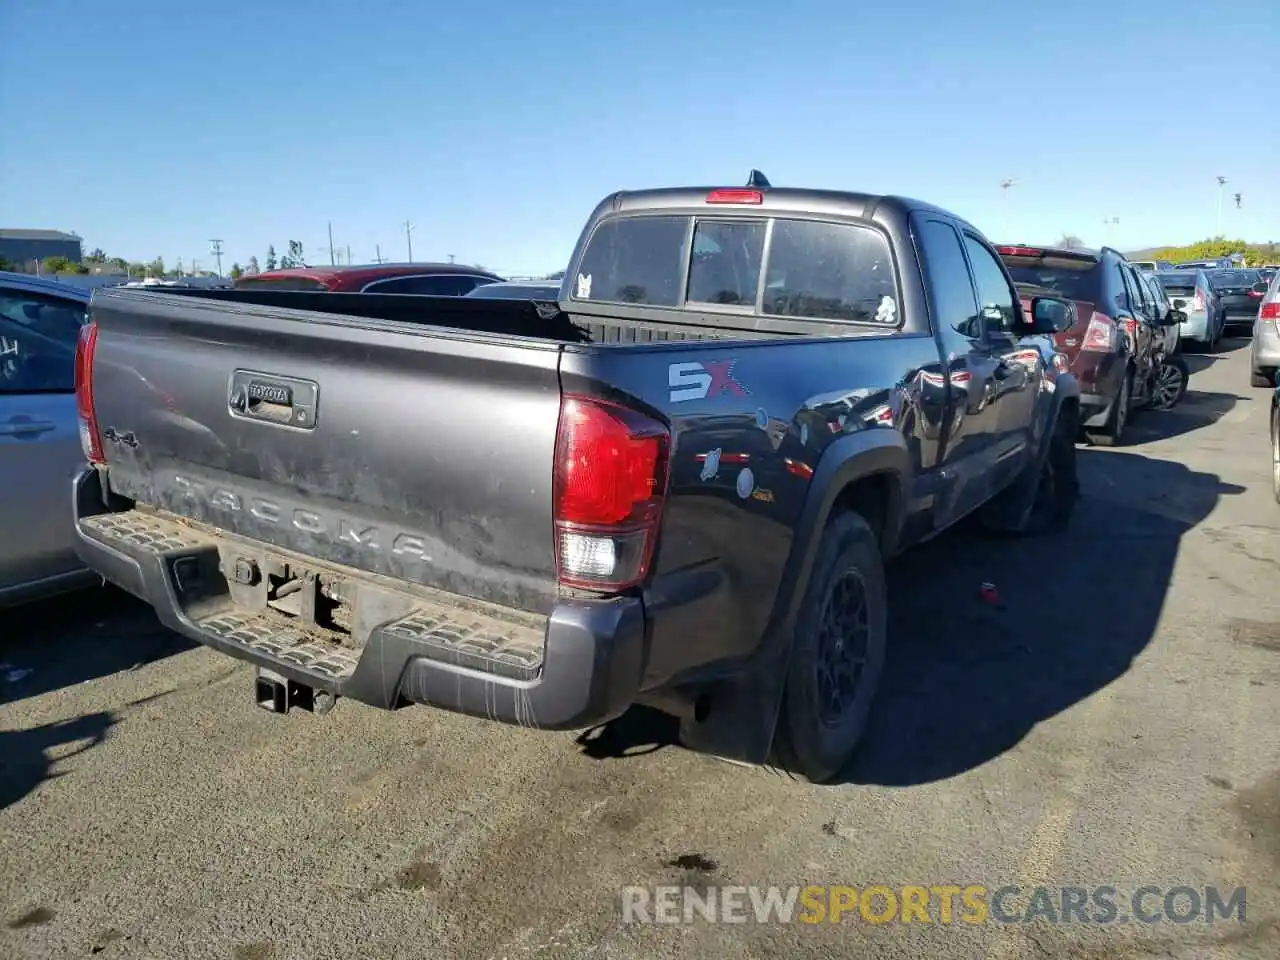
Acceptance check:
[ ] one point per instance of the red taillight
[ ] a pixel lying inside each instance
(1131, 328)
(1256, 293)
(610, 482)
(1270, 311)
(90, 440)
(1019, 251)
(1101, 333)
(735, 195)
(1197, 302)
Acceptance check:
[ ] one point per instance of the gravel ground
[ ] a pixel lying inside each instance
(1114, 721)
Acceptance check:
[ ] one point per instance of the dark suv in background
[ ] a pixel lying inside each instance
(1111, 345)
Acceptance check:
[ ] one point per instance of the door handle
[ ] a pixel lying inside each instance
(25, 428)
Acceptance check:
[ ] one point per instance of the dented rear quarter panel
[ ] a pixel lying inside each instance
(725, 545)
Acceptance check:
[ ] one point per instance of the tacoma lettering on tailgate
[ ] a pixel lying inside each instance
(331, 525)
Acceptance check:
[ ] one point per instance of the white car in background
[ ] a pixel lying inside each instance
(40, 452)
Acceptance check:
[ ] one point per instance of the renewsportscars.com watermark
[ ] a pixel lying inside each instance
(937, 904)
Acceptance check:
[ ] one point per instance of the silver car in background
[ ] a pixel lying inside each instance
(40, 448)
(1191, 292)
(1264, 355)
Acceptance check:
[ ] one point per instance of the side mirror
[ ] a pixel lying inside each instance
(1179, 304)
(1260, 287)
(1051, 315)
(1177, 316)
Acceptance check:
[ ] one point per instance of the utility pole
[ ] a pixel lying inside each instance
(408, 236)
(332, 263)
(378, 258)
(451, 258)
(1110, 222)
(348, 255)
(1222, 182)
(1005, 185)
(215, 247)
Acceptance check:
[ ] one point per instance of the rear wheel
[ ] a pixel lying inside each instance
(1262, 378)
(837, 655)
(1058, 487)
(1171, 383)
(1113, 429)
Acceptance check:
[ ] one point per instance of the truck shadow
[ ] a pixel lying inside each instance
(966, 678)
(24, 758)
(77, 637)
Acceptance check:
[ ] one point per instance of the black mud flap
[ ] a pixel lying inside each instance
(743, 713)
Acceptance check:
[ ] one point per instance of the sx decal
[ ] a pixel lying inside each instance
(695, 380)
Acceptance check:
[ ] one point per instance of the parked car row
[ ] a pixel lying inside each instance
(1264, 353)
(1218, 297)
(1124, 345)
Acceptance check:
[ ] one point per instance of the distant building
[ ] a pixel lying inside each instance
(23, 246)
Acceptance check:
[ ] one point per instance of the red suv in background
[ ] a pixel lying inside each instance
(1111, 345)
(426, 279)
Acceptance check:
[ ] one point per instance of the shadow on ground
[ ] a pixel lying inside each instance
(25, 762)
(641, 730)
(77, 637)
(1197, 361)
(1196, 411)
(966, 679)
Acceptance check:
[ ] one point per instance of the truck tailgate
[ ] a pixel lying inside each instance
(385, 447)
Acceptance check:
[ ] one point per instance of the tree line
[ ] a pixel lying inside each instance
(1255, 254)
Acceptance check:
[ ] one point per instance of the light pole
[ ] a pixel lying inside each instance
(408, 236)
(1110, 222)
(1222, 182)
(1005, 185)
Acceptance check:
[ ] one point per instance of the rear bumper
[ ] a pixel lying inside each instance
(1195, 327)
(468, 658)
(1241, 315)
(1264, 354)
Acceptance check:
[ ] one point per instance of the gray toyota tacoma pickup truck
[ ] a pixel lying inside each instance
(678, 485)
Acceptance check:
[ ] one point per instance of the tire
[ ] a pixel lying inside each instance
(1171, 383)
(1058, 486)
(816, 738)
(1113, 430)
(1262, 378)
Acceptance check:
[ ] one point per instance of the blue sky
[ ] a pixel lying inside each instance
(149, 128)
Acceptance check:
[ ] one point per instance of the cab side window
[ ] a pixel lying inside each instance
(995, 297)
(955, 310)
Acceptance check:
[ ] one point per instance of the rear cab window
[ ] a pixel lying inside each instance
(1178, 284)
(782, 267)
(1061, 274)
